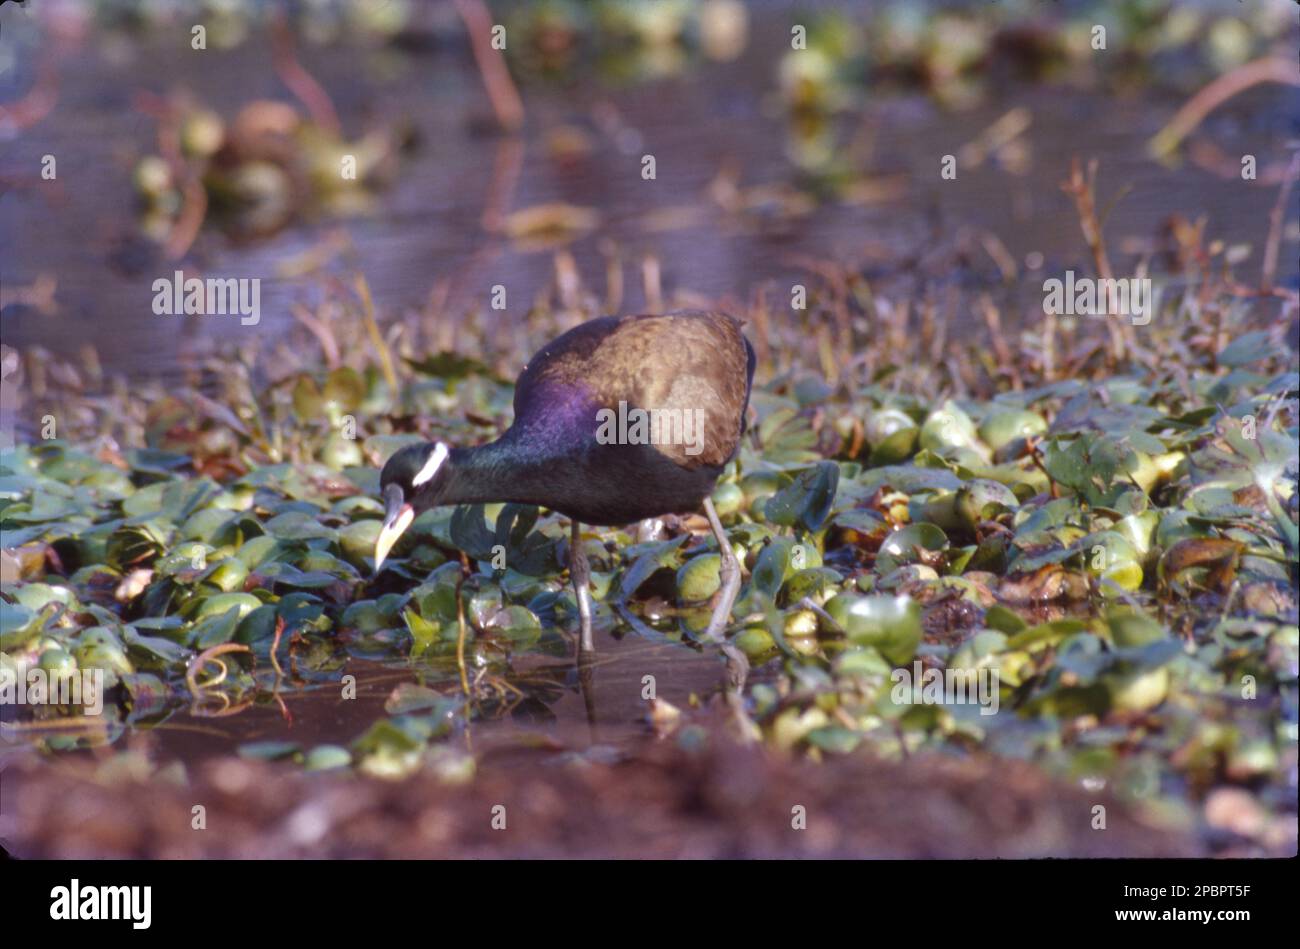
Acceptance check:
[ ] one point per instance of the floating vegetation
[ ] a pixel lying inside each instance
(269, 167)
(1066, 556)
(1105, 551)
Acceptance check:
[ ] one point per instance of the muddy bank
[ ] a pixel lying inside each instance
(668, 802)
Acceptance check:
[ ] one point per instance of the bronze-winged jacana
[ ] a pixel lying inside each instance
(576, 447)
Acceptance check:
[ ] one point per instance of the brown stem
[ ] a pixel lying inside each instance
(1083, 190)
(300, 82)
(507, 105)
(1185, 121)
(1275, 225)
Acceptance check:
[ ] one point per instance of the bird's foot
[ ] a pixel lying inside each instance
(735, 672)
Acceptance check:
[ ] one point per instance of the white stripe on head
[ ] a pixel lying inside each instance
(431, 466)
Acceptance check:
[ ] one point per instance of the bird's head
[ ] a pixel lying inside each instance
(409, 485)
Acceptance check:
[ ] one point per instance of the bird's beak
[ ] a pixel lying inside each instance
(397, 518)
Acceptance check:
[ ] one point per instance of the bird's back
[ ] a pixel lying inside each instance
(683, 369)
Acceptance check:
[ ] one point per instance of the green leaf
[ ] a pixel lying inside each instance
(807, 500)
(1246, 349)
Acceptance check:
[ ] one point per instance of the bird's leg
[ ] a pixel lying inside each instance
(737, 663)
(730, 574)
(580, 573)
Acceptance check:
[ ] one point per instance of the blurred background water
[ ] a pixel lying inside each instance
(724, 216)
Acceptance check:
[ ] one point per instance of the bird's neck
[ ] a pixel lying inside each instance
(498, 471)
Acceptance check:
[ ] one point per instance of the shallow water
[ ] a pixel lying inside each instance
(425, 234)
(549, 706)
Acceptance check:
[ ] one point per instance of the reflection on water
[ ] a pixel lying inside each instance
(538, 700)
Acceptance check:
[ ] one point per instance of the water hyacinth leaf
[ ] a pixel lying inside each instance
(1046, 633)
(960, 558)
(65, 463)
(811, 582)
(18, 625)
(278, 573)
(37, 596)
(410, 697)
(187, 561)
(383, 447)
(1035, 558)
(484, 601)
(387, 750)
(1003, 427)
(861, 520)
(889, 624)
(21, 537)
(227, 575)
(170, 501)
(14, 486)
(773, 567)
(254, 552)
(1129, 627)
(297, 525)
(892, 436)
(268, 750)
(517, 623)
(258, 625)
(807, 500)
(863, 662)
(219, 603)
(424, 633)
(172, 628)
(787, 438)
(357, 539)
(699, 578)
(756, 643)
(344, 390)
(913, 541)
(215, 630)
(156, 462)
(514, 523)
(1246, 349)
(1089, 464)
(219, 527)
(436, 597)
(659, 556)
(42, 507)
(370, 616)
(980, 500)
(303, 610)
(307, 400)
(326, 758)
(947, 426)
(998, 617)
(834, 738)
(449, 365)
(470, 533)
(154, 648)
(526, 552)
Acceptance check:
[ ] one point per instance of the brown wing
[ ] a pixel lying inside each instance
(695, 364)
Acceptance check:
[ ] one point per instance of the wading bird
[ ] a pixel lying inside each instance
(617, 420)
